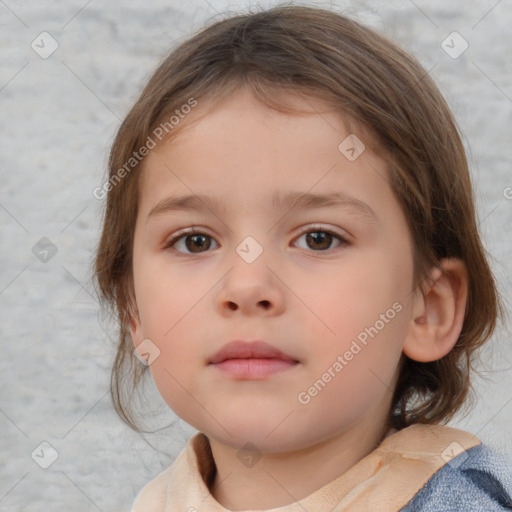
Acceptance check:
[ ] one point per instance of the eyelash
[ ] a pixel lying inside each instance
(194, 231)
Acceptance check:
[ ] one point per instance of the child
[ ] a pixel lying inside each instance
(319, 375)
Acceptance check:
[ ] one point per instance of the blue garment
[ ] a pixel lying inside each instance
(478, 480)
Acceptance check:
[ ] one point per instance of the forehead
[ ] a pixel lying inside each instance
(239, 147)
(243, 106)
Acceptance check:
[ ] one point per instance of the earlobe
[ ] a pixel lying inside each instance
(438, 312)
(135, 327)
(135, 331)
(132, 316)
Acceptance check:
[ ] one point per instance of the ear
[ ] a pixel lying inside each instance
(136, 332)
(438, 312)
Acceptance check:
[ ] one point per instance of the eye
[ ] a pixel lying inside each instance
(321, 239)
(196, 242)
(193, 241)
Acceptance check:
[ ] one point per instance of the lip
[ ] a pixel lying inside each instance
(251, 359)
(239, 349)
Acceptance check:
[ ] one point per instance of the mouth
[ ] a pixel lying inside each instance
(253, 360)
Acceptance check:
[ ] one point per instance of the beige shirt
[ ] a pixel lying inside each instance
(385, 480)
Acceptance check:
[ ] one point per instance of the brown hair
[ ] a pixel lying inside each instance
(386, 93)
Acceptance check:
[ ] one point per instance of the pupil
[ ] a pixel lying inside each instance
(317, 237)
(193, 245)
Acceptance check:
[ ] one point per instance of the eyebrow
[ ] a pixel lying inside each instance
(280, 201)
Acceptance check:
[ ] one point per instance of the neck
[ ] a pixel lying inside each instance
(280, 479)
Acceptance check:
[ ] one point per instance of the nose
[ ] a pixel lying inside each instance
(251, 289)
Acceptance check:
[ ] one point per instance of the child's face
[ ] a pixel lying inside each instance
(307, 295)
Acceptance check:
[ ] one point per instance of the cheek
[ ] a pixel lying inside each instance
(344, 300)
(171, 317)
(171, 376)
(363, 313)
(353, 375)
(164, 296)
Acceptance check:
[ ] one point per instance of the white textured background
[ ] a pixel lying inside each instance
(58, 117)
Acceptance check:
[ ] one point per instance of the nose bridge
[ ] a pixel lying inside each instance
(251, 235)
(250, 263)
(251, 285)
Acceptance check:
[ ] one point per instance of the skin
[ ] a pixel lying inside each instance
(307, 302)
